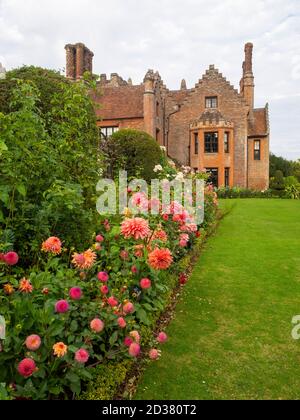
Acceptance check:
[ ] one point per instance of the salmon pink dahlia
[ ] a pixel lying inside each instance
(134, 350)
(154, 354)
(128, 308)
(61, 307)
(99, 238)
(11, 258)
(137, 228)
(75, 293)
(97, 325)
(82, 356)
(122, 323)
(84, 261)
(33, 342)
(52, 245)
(160, 259)
(26, 368)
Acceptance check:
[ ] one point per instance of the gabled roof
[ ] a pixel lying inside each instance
(258, 123)
(212, 117)
(120, 102)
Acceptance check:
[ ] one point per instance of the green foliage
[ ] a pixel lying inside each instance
(48, 165)
(135, 151)
(48, 83)
(287, 167)
(277, 183)
(237, 192)
(106, 380)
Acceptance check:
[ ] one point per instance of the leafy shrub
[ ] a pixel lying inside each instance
(236, 192)
(135, 151)
(48, 82)
(48, 167)
(277, 183)
(106, 380)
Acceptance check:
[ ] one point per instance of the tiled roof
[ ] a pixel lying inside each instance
(121, 102)
(258, 125)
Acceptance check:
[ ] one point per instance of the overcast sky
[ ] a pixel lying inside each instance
(180, 38)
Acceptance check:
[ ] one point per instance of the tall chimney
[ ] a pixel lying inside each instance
(70, 62)
(247, 82)
(79, 59)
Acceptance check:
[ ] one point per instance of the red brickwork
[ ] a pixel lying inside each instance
(173, 117)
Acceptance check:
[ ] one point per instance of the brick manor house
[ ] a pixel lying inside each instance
(211, 127)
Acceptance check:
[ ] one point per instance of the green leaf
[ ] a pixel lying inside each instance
(113, 339)
(142, 316)
(22, 189)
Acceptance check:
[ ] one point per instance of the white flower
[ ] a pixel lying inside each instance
(163, 148)
(180, 176)
(158, 168)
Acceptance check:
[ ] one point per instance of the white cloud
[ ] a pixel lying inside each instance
(178, 38)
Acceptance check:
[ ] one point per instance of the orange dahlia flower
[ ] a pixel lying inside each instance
(8, 289)
(137, 228)
(160, 235)
(60, 350)
(25, 286)
(52, 245)
(160, 259)
(84, 261)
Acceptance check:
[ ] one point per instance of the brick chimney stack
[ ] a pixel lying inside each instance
(79, 59)
(247, 82)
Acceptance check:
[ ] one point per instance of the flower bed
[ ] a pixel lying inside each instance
(80, 310)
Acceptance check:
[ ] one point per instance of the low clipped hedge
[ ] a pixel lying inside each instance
(134, 151)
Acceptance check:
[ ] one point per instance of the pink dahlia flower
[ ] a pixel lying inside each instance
(145, 284)
(11, 258)
(162, 338)
(82, 356)
(26, 368)
(104, 290)
(137, 228)
(33, 342)
(99, 238)
(128, 341)
(62, 306)
(103, 277)
(113, 302)
(75, 293)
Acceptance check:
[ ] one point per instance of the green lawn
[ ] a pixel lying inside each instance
(231, 338)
